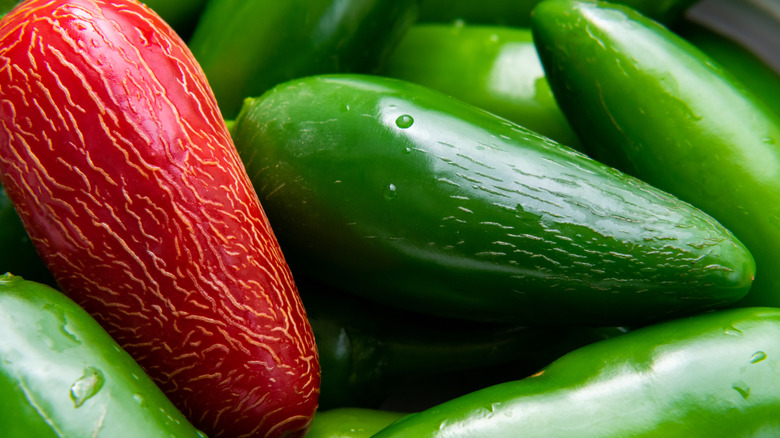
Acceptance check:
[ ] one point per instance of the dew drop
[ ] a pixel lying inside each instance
(758, 356)
(390, 192)
(404, 121)
(407, 150)
(86, 386)
(138, 399)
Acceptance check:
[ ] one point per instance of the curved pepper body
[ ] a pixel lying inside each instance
(63, 375)
(713, 374)
(390, 189)
(114, 153)
(248, 46)
(649, 103)
(495, 68)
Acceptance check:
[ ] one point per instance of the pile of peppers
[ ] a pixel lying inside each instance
(535, 218)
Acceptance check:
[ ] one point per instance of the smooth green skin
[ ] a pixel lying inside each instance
(518, 12)
(182, 15)
(711, 375)
(351, 422)
(365, 353)
(493, 67)
(247, 46)
(761, 79)
(17, 254)
(62, 375)
(392, 190)
(651, 104)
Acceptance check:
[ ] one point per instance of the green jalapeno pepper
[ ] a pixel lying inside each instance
(62, 375)
(247, 46)
(493, 67)
(650, 103)
(418, 200)
(710, 375)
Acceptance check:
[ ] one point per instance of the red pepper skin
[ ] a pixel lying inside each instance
(114, 152)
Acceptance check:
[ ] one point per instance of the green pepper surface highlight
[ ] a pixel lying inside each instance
(351, 422)
(247, 46)
(407, 196)
(754, 73)
(517, 13)
(651, 104)
(17, 252)
(493, 67)
(62, 375)
(710, 375)
(367, 351)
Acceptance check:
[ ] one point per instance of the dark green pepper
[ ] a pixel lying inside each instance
(393, 190)
(18, 255)
(711, 375)
(651, 104)
(247, 46)
(493, 67)
(366, 351)
(62, 375)
(518, 12)
(350, 422)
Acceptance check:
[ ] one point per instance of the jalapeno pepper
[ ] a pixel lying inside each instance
(391, 190)
(247, 46)
(646, 101)
(710, 375)
(62, 375)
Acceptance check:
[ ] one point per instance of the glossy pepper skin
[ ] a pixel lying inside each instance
(17, 253)
(517, 13)
(62, 375)
(351, 422)
(493, 67)
(651, 104)
(391, 190)
(248, 46)
(754, 73)
(368, 350)
(114, 153)
(712, 375)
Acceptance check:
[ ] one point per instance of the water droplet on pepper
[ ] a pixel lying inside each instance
(86, 386)
(404, 121)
